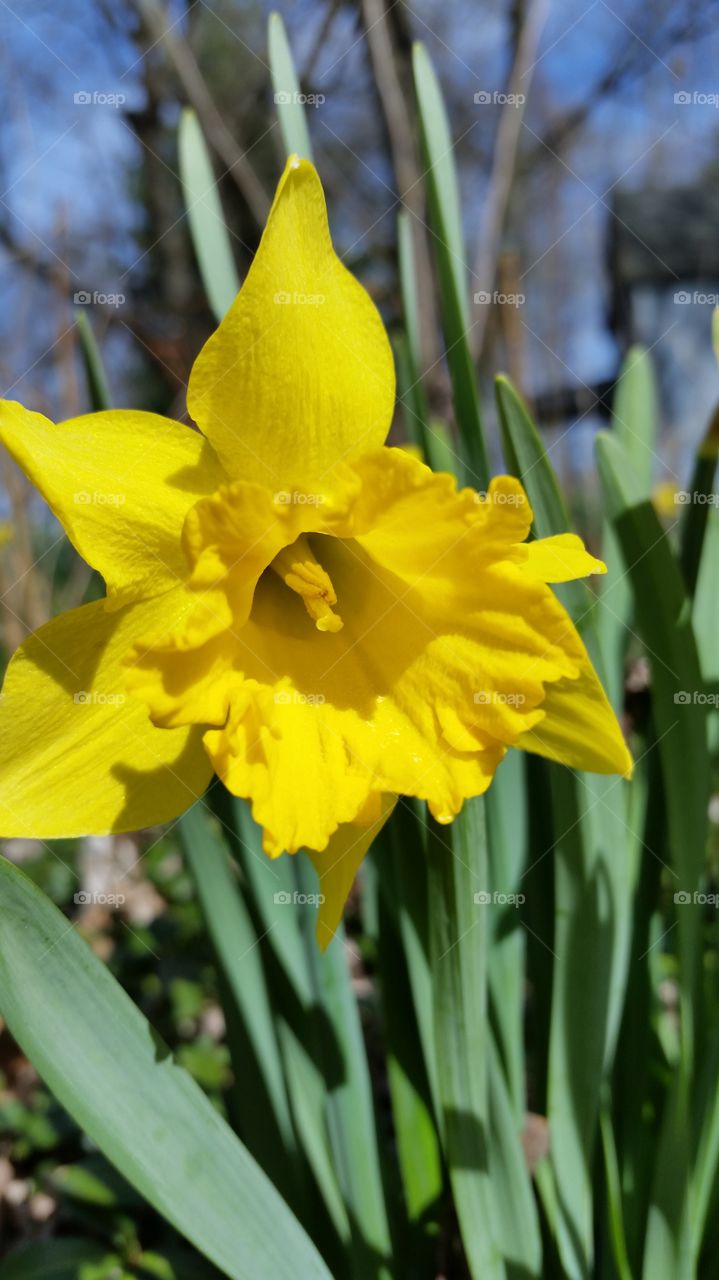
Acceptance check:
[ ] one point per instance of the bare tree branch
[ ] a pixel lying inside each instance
(505, 161)
(405, 162)
(636, 55)
(198, 95)
(320, 39)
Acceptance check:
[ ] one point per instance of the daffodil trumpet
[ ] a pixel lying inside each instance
(318, 619)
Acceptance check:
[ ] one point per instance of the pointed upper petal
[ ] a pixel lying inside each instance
(299, 375)
(77, 755)
(121, 483)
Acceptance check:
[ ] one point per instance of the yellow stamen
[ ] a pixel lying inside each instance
(301, 572)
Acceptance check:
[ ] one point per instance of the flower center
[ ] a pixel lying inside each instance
(300, 570)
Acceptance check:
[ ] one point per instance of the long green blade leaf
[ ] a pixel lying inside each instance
(525, 456)
(664, 621)
(265, 1109)
(701, 500)
(459, 936)
(288, 99)
(97, 383)
(210, 236)
(593, 898)
(111, 1071)
(448, 247)
(634, 422)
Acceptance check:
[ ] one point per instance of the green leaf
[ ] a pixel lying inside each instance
(272, 883)
(448, 247)
(526, 458)
(635, 414)
(701, 501)
(410, 390)
(441, 455)
(634, 422)
(93, 1181)
(410, 396)
(680, 717)
(97, 384)
(418, 1147)
(405, 882)
(439, 147)
(664, 621)
(116, 1077)
(459, 937)
(262, 1095)
(705, 606)
(326, 1026)
(308, 1091)
(517, 1223)
(288, 100)
(408, 286)
(349, 1106)
(594, 873)
(706, 1111)
(614, 1194)
(592, 926)
(210, 236)
(507, 844)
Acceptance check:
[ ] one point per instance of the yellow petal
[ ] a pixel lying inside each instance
(579, 727)
(337, 867)
(77, 755)
(561, 559)
(121, 483)
(299, 375)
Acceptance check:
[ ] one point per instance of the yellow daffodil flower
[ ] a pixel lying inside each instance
(319, 619)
